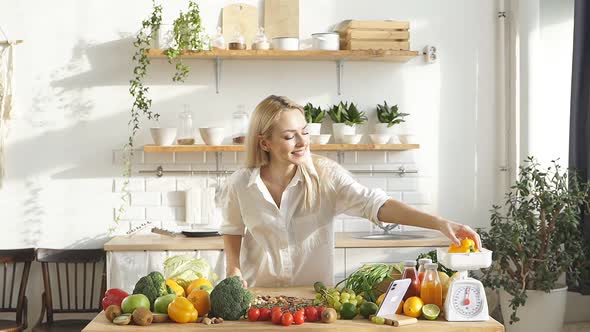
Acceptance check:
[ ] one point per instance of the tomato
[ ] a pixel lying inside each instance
(279, 309)
(287, 319)
(264, 314)
(253, 314)
(312, 314)
(320, 310)
(276, 315)
(298, 318)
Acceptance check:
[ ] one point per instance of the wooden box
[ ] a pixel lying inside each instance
(365, 35)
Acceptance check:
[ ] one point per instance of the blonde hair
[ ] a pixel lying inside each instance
(263, 120)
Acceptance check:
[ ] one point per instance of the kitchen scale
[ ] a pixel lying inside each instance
(466, 298)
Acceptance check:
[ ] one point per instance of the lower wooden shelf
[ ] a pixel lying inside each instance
(314, 147)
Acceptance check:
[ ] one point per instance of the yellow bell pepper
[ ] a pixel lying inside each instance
(182, 310)
(176, 288)
(467, 246)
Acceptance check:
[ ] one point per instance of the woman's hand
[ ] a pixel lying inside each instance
(237, 273)
(456, 232)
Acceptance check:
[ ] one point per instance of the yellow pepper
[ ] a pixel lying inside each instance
(176, 288)
(467, 246)
(182, 310)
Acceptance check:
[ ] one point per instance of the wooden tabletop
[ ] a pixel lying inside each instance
(101, 324)
(155, 242)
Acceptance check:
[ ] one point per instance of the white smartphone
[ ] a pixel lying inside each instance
(395, 293)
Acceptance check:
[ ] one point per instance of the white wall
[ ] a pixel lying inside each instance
(72, 106)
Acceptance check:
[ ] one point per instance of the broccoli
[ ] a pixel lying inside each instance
(229, 300)
(153, 286)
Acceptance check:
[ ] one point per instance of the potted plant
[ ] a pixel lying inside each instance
(188, 35)
(346, 118)
(314, 117)
(388, 117)
(536, 238)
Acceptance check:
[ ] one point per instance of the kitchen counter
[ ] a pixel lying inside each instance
(101, 324)
(143, 242)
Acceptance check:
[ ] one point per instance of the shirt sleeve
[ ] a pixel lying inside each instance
(356, 200)
(232, 223)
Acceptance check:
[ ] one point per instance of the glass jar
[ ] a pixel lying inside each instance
(240, 122)
(431, 288)
(186, 133)
(260, 42)
(237, 42)
(421, 270)
(410, 273)
(218, 42)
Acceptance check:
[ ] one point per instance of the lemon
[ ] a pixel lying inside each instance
(380, 299)
(430, 311)
(413, 307)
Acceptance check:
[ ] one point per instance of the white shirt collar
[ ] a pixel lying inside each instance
(255, 177)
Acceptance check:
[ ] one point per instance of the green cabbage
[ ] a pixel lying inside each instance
(188, 268)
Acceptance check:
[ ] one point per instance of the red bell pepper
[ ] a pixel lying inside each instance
(113, 296)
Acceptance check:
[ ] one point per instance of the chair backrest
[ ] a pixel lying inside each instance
(14, 267)
(71, 276)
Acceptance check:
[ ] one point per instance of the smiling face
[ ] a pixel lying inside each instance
(288, 142)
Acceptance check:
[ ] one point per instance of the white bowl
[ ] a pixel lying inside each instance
(380, 138)
(407, 139)
(351, 139)
(285, 43)
(212, 135)
(163, 136)
(320, 139)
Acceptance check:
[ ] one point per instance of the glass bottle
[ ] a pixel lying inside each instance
(237, 42)
(218, 42)
(186, 133)
(260, 41)
(421, 270)
(410, 273)
(431, 289)
(240, 124)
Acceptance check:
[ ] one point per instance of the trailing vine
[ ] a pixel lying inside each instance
(188, 35)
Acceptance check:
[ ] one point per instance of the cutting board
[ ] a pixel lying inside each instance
(240, 17)
(281, 18)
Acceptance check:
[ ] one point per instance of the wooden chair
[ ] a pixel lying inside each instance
(71, 274)
(11, 270)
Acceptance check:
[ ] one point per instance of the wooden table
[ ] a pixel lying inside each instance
(101, 324)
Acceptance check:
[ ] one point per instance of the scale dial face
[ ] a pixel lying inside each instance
(467, 300)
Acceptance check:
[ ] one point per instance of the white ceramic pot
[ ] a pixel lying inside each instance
(314, 128)
(285, 43)
(163, 136)
(380, 138)
(320, 139)
(328, 41)
(543, 312)
(381, 128)
(341, 129)
(212, 135)
(407, 139)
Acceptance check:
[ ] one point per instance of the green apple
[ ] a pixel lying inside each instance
(162, 302)
(133, 302)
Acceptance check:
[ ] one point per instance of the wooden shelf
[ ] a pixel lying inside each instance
(314, 147)
(305, 55)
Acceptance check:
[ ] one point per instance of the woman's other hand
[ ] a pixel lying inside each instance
(238, 273)
(456, 232)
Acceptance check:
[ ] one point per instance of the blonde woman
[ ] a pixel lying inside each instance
(279, 210)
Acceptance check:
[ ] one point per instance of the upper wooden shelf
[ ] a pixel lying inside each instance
(305, 55)
(314, 147)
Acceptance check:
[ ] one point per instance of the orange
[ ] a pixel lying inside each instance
(200, 300)
(400, 307)
(195, 284)
(413, 307)
(380, 299)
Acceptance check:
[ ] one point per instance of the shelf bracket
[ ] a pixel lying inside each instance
(217, 73)
(339, 72)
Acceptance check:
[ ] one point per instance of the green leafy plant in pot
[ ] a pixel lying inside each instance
(536, 237)
(346, 117)
(188, 35)
(314, 117)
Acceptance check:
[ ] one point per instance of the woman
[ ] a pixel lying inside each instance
(279, 210)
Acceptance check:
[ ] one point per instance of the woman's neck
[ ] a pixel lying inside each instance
(278, 174)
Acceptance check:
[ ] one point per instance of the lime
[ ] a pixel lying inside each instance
(367, 309)
(430, 311)
(348, 311)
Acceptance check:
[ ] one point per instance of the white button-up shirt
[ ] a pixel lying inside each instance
(283, 246)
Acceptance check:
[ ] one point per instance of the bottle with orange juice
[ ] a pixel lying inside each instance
(431, 287)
